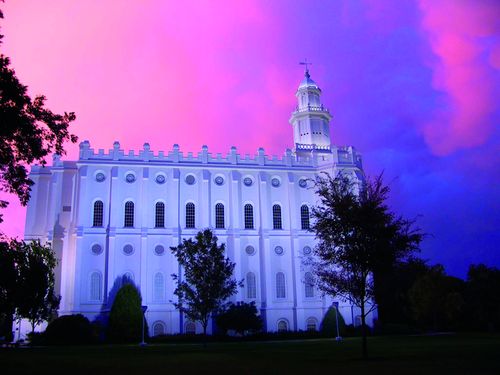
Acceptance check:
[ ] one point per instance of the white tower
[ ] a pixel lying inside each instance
(310, 121)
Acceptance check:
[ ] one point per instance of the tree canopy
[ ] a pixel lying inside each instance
(359, 237)
(206, 282)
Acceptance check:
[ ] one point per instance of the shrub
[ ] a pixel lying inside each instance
(69, 329)
(126, 318)
(329, 323)
(240, 317)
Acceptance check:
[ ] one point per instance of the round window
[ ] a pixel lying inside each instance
(302, 183)
(307, 250)
(247, 181)
(100, 177)
(128, 249)
(159, 250)
(190, 180)
(250, 250)
(219, 180)
(130, 177)
(275, 182)
(160, 179)
(278, 250)
(96, 249)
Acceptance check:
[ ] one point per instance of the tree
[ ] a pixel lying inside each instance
(36, 300)
(358, 236)
(28, 133)
(126, 316)
(240, 317)
(9, 288)
(207, 280)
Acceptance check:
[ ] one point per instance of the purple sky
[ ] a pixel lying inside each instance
(413, 85)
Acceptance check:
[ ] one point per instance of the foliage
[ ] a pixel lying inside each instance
(28, 133)
(207, 280)
(359, 237)
(69, 329)
(9, 287)
(240, 317)
(126, 316)
(329, 323)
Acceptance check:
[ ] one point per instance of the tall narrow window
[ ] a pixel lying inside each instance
(129, 214)
(248, 209)
(95, 286)
(160, 215)
(98, 214)
(159, 287)
(190, 215)
(304, 216)
(277, 217)
(219, 216)
(251, 287)
(280, 285)
(309, 284)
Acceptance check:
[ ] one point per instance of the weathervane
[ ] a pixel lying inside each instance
(306, 64)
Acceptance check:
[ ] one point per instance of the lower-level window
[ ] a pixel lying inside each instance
(158, 328)
(190, 328)
(312, 324)
(282, 325)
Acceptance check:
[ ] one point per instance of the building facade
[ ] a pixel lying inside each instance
(112, 217)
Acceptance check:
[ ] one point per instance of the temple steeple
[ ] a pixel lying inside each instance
(310, 120)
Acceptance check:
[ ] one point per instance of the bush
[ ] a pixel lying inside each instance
(69, 329)
(240, 317)
(126, 318)
(329, 323)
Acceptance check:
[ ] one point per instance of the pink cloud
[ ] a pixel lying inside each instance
(461, 33)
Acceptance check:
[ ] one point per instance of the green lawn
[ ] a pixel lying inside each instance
(451, 354)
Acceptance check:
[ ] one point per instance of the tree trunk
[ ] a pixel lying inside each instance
(205, 333)
(363, 332)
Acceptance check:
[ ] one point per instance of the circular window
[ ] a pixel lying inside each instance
(96, 249)
(190, 180)
(302, 183)
(247, 181)
(130, 177)
(159, 250)
(250, 250)
(275, 182)
(128, 249)
(100, 177)
(279, 250)
(307, 250)
(219, 180)
(160, 179)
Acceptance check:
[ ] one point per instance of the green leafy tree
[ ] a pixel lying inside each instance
(206, 282)
(358, 236)
(240, 317)
(28, 132)
(9, 288)
(126, 316)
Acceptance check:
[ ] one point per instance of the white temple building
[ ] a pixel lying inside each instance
(113, 216)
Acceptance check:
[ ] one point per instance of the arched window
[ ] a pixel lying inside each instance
(160, 215)
(128, 278)
(304, 217)
(158, 287)
(248, 209)
(190, 215)
(309, 284)
(280, 285)
(95, 286)
(277, 217)
(98, 214)
(282, 325)
(311, 324)
(129, 214)
(158, 328)
(251, 287)
(219, 216)
(190, 328)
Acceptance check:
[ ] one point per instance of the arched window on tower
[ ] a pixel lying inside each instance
(128, 221)
(95, 286)
(158, 287)
(248, 209)
(219, 216)
(280, 285)
(251, 286)
(160, 215)
(309, 284)
(98, 214)
(277, 217)
(190, 215)
(304, 217)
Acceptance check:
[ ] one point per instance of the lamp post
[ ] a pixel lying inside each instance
(143, 308)
(336, 304)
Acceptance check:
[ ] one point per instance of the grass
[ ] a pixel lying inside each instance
(445, 354)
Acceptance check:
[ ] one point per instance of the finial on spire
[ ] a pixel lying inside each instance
(307, 67)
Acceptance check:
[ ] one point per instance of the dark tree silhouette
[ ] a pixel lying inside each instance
(126, 316)
(240, 317)
(28, 133)
(358, 237)
(206, 281)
